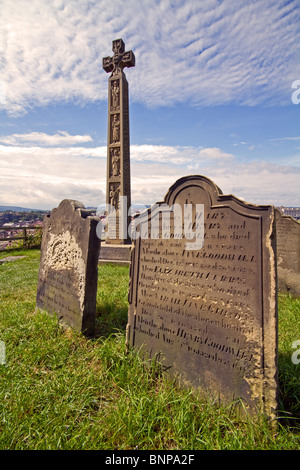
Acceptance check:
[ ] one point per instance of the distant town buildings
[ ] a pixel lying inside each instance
(291, 211)
(12, 221)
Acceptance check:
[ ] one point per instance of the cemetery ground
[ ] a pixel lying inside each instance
(61, 390)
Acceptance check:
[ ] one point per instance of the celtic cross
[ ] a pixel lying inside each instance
(118, 186)
(119, 60)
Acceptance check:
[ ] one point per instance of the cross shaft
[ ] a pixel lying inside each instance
(118, 192)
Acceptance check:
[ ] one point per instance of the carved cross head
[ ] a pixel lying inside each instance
(119, 60)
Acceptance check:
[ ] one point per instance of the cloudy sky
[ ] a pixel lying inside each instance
(215, 91)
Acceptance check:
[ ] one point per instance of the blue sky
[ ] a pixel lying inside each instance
(215, 91)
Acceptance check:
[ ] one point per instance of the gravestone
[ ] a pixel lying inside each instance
(10, 259)
(118, 191)
(288, 253)
(67, 282)
(208, 307)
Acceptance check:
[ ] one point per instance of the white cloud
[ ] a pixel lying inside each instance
(260, 183)
(202, 52)
(285, 138)
(177, 155)
(40, 138)
(40, 177)
(215, 154)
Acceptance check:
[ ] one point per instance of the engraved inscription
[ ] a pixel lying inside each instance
(288, 253)
(195, 292)
(60, 297)
(209, 312)
(288, 242)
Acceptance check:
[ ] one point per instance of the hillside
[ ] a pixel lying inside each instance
(16, 208)
(20, 217)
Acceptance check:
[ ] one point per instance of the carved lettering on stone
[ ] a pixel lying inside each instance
(288, 253)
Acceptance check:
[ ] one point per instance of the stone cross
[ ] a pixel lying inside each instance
(119, 60)
(118, 149)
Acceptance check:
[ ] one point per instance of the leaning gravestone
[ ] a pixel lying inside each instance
(67, 283)
(288, 253)
(208, 308)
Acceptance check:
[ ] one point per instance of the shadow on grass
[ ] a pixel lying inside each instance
(110, 319)
(112, 304)
(289, 391)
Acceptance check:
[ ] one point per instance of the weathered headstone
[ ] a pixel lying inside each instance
(209, 312)
(288, 253)
(67, 283)
(118, 192)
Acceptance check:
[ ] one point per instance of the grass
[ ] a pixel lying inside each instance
(60, 390)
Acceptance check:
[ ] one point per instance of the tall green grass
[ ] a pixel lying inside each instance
(60, 390)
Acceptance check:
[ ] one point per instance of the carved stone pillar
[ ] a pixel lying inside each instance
(118, 190)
